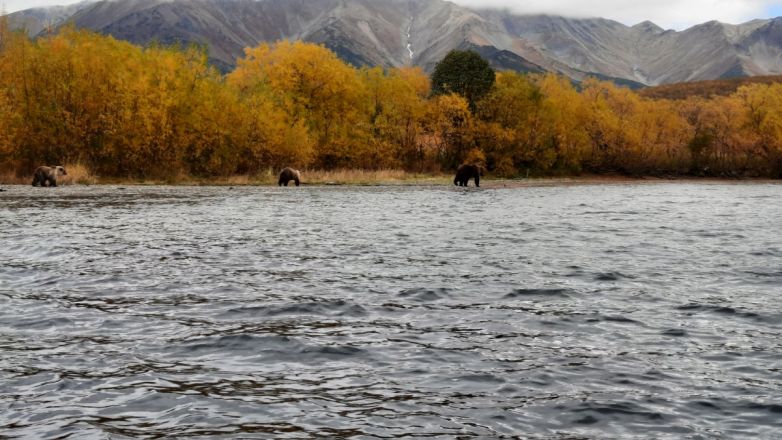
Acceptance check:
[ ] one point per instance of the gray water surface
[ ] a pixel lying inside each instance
(632, 311)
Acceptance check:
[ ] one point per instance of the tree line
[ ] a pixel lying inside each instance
(131, 112)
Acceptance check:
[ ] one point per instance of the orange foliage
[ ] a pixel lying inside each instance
(705, 89)
(125, 111)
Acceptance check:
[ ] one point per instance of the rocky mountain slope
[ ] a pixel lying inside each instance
(421, 32)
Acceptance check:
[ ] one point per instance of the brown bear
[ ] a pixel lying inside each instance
(467, 172)
(48, 175)
(289, 174)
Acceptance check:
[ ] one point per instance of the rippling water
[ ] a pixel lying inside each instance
(646, 311)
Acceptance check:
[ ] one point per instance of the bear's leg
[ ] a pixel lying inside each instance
(35, 180)
(298, 183)
(477, 181)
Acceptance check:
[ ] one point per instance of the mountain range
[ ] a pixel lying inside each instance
(420, 32)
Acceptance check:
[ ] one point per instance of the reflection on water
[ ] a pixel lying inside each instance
(647, 311)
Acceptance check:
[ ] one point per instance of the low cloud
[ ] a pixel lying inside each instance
(676, 14)
(18, 5)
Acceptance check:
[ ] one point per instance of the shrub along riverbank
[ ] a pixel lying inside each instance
(126, 113)
(80, 175)
(354, 177)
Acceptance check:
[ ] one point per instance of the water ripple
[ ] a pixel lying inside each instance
(615, 311)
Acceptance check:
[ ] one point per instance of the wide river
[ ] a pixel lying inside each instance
(602, 311)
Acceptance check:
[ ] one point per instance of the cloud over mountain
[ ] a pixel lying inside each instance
(676, 14)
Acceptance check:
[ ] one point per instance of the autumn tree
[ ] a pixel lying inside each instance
(762, 106)
(315, 88)
(449, 124)
(398, 108)
(532, 124)
(117, 108)
(156, 112)
(7, 110)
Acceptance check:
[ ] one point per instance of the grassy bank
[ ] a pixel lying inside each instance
(79, 175)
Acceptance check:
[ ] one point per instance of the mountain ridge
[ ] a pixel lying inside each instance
(393, 33)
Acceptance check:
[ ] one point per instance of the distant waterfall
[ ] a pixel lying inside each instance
(409, 43)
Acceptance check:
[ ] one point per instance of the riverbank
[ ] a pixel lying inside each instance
(78, 175)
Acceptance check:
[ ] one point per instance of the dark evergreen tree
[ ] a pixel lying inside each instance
(465, 73)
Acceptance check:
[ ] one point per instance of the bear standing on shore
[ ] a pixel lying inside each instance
(289, 174)
(48, 175)
(467, 172)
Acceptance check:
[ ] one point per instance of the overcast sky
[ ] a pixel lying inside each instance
(676, 14)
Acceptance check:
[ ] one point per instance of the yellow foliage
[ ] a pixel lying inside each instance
(312, 86)
(120, 111)
(78, 174)
(449, 125)
(476, 157)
